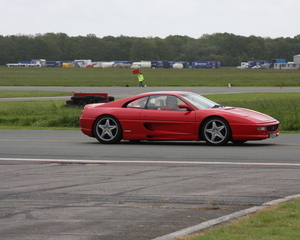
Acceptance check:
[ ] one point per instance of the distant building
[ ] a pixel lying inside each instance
(289, 65)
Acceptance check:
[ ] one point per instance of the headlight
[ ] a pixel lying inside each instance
(261, 128)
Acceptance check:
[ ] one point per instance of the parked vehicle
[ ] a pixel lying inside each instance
(206, 64)
(260, 64)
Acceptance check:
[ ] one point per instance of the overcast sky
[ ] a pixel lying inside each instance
(151, 18)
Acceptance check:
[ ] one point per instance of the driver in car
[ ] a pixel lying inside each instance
(171, 103)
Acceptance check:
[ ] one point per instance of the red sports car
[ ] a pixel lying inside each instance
(175, 115)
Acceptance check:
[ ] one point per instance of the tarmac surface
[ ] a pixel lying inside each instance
(64, 185)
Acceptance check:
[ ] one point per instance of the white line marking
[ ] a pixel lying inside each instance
(225, 218)
(148, 162)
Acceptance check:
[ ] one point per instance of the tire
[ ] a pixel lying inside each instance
(81, 103)
(107, 129)
(99, 99)
(70, 102)
(111, 98)
(78, 101)
(216, 131)
(89, 99)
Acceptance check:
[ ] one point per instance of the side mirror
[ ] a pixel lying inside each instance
(184, 106)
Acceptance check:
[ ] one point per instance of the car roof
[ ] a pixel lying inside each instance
(121, 102)
(163, 92)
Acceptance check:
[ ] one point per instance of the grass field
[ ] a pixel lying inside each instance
(279, 222)
(153, 77)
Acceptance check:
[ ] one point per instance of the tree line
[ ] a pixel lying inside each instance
(227, 48)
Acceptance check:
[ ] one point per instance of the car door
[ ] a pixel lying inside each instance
(129, 117)
(159, 122)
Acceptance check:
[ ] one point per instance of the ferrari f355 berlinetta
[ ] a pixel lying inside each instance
(174, 115)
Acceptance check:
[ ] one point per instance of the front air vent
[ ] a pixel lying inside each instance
(272, 128)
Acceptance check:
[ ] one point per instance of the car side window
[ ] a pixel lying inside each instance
(138, 103)
(156, 102)
(163, 102)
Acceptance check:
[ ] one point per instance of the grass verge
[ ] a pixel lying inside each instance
(279, 222)
(38, 115)
(284, 107)
(21, 94)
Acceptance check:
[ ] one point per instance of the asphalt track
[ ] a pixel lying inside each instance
(64, 185)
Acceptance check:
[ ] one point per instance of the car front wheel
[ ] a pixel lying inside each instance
(107, 129)
(216, 131)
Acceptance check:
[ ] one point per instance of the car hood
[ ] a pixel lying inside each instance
(251, 115)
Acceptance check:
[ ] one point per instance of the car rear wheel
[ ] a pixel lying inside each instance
(216, 131)
(107, 129)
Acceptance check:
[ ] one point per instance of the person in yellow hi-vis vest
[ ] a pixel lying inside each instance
(141, 79)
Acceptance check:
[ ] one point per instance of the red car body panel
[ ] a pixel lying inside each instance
(149, 124)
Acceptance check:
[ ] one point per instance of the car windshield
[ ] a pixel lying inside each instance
(199, 101)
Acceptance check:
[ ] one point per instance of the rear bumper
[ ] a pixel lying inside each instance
(86, 126)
